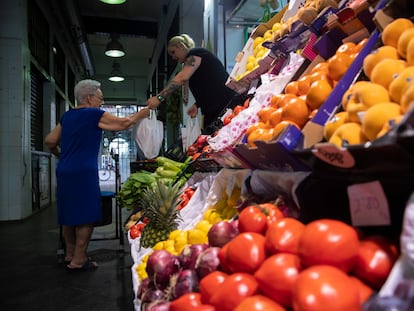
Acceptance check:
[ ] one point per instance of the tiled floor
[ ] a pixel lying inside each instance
(31, 277)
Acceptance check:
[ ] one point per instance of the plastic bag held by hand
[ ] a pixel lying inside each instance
(149, 135)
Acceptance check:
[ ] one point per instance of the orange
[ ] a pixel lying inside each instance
(375, 117)
(387, 70)
(389, 125)
(320, 75)
(256, 126)
(407, 98)
(264, 113)
(360, 45)
(296, 111)
(292, 88)
(346, 48)
(303, 85)
(265, 134)
(393, 31)
(281, 126)
(349, 133)
(275, 117)
(322, 66)
(410, 53)
(397, 86)
(338, 64)
(333, 123)
(275, 100)
(403, 41)
(318, 93)
(285, 99)
(376, 57)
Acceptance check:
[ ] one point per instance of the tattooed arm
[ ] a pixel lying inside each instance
(190, 65)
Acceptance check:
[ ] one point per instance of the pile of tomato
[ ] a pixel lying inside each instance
(278, 263)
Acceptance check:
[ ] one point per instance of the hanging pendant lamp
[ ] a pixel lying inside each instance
(113, 1)
(114, 48)
(116, 73)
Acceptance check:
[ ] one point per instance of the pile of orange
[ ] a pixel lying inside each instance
(302, 98)
(373, 107)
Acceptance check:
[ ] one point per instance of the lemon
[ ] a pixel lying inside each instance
(276, 26)
(203, 225)
(180, 240)
(268, 35)
(197, 236)
(257, 41)
(158, 246)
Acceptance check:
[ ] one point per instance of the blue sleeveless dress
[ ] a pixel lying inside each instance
(78, 192)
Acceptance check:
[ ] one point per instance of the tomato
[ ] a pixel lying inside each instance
(365, 292)
(328, 241)
(203, 308)
(375, 259)
(277, 275)
(135, 230)
(222, 255)
(233, 290)
(257, 218)
(209, 283)
(238, 109)
(259, 303)
(246, 252)
(186, 302)
(325, 288)
(251, 219)
(283, 235)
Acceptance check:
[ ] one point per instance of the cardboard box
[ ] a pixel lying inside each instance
(275, 155)
(265, 63)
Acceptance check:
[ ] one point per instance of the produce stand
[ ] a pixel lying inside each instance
(367, 186)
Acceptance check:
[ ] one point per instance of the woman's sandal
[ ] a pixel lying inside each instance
(87, 266)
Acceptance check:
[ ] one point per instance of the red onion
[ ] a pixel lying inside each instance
(152, 295)
(144, 286)
(160, 266)
(220, 233)
(189, 254)
(207, 262)
(187, 282)
(157, 306)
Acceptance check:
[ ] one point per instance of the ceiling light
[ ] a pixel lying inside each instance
(116, 74)
(114, 48)
(113, 1)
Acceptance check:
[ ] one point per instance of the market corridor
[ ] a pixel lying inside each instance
(32, 278)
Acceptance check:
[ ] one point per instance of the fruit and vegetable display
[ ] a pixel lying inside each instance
(221, 245)
(264, 256)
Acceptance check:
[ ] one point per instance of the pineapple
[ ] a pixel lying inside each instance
(159, 205)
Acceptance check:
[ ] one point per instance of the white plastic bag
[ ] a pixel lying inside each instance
(190, 132)
(149, 135)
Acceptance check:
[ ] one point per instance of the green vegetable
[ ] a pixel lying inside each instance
(162, 160)
(163, 172)
(128, 195)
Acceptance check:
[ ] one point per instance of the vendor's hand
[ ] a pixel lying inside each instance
(192, 111)
(153, 102)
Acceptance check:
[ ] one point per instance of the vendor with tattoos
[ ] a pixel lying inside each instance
(206, 76)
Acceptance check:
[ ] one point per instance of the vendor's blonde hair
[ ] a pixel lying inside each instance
(184, 39)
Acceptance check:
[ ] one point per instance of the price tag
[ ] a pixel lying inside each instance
(368, 205)
(332, 155)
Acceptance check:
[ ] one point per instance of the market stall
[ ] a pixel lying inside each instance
(312, 175)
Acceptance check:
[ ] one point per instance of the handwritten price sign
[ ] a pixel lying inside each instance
(368, 205)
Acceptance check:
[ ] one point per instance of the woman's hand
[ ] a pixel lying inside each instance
(192, 111)
(144, 113)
